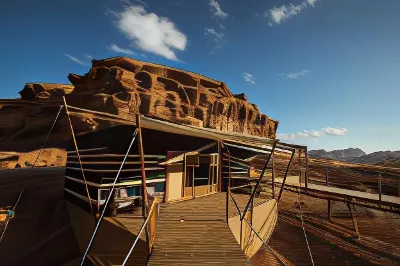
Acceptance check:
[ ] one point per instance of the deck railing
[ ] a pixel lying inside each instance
(243, 219)
(149, 224)
(376, 181)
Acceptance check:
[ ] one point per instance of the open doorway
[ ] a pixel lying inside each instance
(201, 175)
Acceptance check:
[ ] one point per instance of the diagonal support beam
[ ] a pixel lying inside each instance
(284, 178)
(259, 180)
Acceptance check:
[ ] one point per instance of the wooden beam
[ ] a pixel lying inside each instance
(143, 170)
(78, 155)
(87, 150)
(115, 156)
(116, 170)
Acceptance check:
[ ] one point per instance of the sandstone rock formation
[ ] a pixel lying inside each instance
(125, 87)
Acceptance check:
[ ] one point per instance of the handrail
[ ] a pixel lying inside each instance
(234, 201)
(152, 208)
(259, 179)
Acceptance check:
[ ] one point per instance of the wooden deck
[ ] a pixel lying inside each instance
(365, 199)
(195, 232)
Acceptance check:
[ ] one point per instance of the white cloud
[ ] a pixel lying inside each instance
(296, 74)
(249, 78)
(76, 60)
(118, 49)
(314, 133)
(88, 56)
(217, 36)
(143, 55)
(277, 15)
(149, 32)
(129, 3)
(335, 131)
(312, 2)
(216, 10)
(222, 26)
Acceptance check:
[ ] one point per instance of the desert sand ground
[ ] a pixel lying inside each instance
(40, 233)
(47, 157)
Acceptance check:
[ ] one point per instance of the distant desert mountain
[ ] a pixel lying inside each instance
(392, 163)
(347, 155)
(355, 155)
(380, 156)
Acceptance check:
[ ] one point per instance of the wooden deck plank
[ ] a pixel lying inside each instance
(194, 232)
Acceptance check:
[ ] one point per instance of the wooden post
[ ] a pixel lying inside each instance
(326, 177)
(230, 173)
(79, 158)
(380, 186)
(355, 224)
(193, 191)
(398, 187)
(219, 166)
(307, 171)
(141, 153)
(273, 176)
(184, 176)
(329, 210)
(228, 189)
(241, 233)
(252, 211)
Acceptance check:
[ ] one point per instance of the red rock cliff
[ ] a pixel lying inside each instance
(125, 87)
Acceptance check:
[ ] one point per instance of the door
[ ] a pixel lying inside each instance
(174, 183)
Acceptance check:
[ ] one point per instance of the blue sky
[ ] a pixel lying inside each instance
(328, 70)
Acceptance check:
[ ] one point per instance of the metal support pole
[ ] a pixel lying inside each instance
(380, 186)
(259, 179)
(284, 178)
(228, 189)
(326, 177)
(106, 203)
(273, 176)
(307, 169)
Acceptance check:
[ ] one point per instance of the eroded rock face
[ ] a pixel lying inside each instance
(44, 91)
(125, 87)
